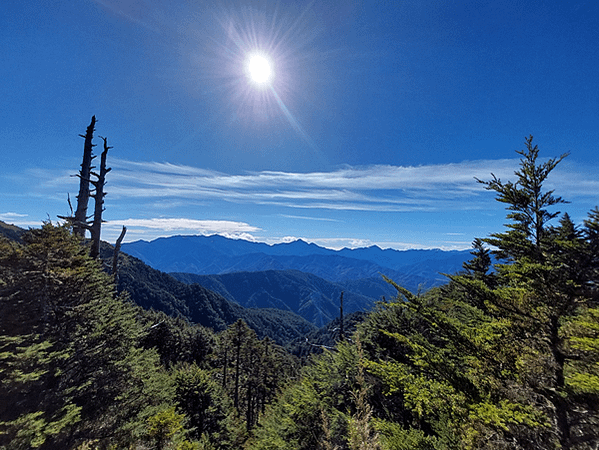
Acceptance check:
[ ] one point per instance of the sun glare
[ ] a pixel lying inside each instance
(262, 60)
(259, 69)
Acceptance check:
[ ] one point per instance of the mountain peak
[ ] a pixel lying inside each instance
(209, 255)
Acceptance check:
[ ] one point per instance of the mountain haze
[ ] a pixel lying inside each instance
(209, 255)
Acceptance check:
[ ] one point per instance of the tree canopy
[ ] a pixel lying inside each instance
(505, 355)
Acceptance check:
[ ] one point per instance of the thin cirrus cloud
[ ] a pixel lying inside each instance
(158, 198)
(202, 226)
(373, 188)
(382, 188)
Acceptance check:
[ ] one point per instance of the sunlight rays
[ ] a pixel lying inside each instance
(294, 123)
(259, 62)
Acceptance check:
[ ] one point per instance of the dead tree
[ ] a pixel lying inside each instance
(98, 195)
(87, 176)
(80, 220)
(115, 257)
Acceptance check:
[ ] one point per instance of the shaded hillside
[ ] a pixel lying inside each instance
(157, 290)
(12, 232)
(207, 255)
(313, 298)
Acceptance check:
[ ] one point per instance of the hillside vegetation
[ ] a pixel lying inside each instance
(152, 289)
(505, 355)
(313, 298)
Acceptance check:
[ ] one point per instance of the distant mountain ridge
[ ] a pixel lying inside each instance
(152, 289)
(217, 255)
(11, 232)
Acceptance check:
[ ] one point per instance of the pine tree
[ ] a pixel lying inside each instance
(504, 359)
(543, 285)
(529, 205)
(74, 368)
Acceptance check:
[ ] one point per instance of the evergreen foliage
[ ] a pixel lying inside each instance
(204, 402)
(314, 412)
(251, 370)
(501, 359)
(73, 369)
(505, 355)
(176, 340)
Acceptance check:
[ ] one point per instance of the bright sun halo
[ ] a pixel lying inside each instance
(259, 69)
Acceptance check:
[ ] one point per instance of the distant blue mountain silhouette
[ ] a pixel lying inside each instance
(362, 267)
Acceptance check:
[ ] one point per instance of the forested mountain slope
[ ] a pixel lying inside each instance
(152, 289)
(83, 367)
(157, 290)
(313, 298)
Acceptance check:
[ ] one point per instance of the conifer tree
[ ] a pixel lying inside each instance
(543, 285)
(73, 368)
(528, 204)
(252, 370)
(203, 401)
(507, 359)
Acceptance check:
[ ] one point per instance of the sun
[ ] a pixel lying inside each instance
(263, 59)
(259, 69)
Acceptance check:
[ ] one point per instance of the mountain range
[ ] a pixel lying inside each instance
(240, 280)
(217, 255)
(153, 289)
(297, 277)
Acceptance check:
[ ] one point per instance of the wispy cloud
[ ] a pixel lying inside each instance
(201, 226)
(20, 220)
(372, 188)
(318, 219)
(12, 216)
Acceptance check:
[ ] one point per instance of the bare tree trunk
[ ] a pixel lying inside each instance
(225, 366)
(115, 257)
(237, 367)
(80, 220)
(98, 196)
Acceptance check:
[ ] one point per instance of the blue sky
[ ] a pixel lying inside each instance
(377, 120)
